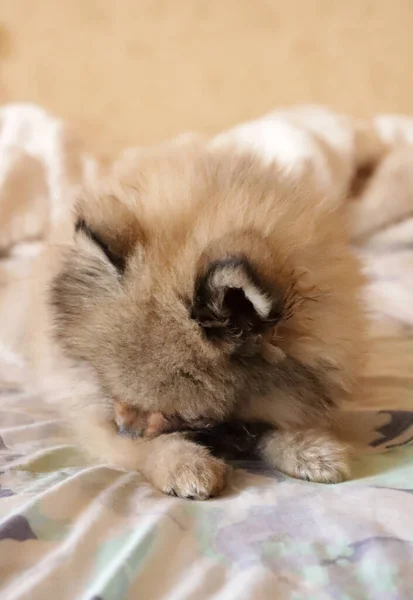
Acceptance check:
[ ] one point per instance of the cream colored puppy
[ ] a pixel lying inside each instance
(199, 284)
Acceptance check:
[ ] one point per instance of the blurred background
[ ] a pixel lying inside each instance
(127, 72)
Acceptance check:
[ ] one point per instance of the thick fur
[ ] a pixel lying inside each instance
(199, 283)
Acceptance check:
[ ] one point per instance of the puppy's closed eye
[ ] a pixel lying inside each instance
(117, 260)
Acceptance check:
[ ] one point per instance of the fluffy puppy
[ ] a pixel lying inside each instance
(199, 284)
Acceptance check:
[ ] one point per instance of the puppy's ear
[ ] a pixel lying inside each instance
(232, 302)
(108, 228)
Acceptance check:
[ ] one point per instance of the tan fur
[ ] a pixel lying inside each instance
(311, 454)
(97, 334)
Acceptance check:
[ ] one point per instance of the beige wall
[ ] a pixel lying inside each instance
(135, 71)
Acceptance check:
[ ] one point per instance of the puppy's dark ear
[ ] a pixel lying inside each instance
(231, 302)
(110, 226)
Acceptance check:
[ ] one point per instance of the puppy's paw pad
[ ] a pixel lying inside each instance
(198, 478)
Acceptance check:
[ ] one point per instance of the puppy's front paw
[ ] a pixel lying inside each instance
(189, 471)
(197, 479)
(310, 455)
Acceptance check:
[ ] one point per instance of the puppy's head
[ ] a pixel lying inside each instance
(181, 273)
